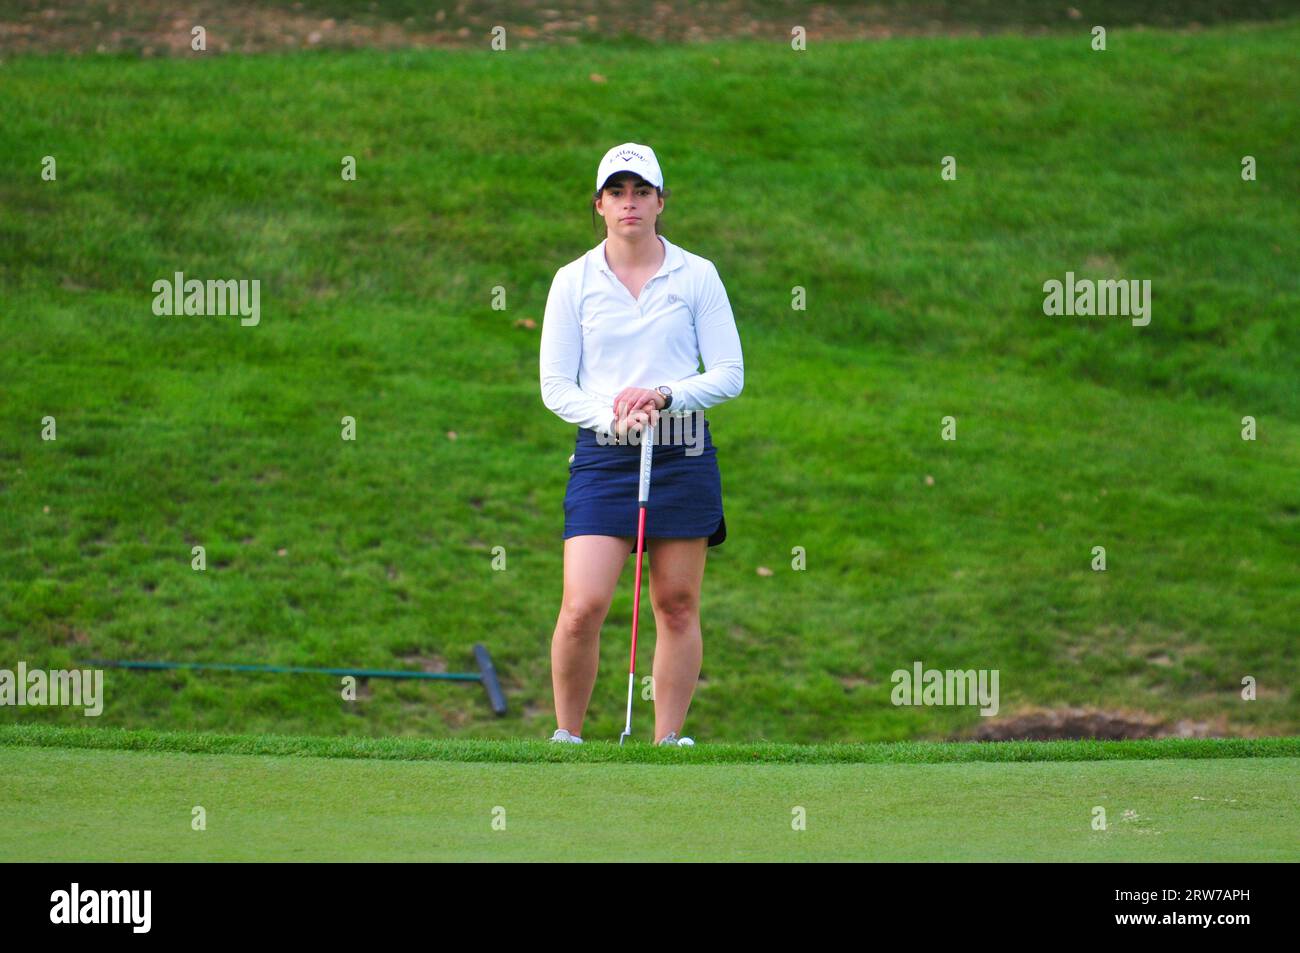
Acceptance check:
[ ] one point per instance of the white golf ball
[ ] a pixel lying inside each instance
(685, 743)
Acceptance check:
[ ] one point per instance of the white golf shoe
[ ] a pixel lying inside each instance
(562, 735)
(672, 739)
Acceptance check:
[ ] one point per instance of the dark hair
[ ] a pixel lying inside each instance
(622, 177)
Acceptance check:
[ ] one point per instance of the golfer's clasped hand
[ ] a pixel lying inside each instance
(634, 407)
(635, 422)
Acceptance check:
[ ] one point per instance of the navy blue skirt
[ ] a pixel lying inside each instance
(685, 487)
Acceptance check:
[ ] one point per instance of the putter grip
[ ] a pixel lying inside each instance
(647, 454)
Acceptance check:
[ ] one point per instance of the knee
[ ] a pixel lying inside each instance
(676, 611)
(580, 618)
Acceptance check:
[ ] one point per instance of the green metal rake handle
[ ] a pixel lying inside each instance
(487, 672)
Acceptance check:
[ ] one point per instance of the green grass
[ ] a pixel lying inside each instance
(638, 751)
(924, 301)
(63, 802)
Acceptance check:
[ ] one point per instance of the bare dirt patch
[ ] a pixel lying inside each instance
(1062, 724)
(426, 663)
(163, 27)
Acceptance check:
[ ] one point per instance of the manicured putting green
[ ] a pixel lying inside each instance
(63, 804)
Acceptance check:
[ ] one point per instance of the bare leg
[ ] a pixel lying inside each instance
(592, 565)
(676, 576)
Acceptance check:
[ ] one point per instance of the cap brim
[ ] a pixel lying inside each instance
(633, 171)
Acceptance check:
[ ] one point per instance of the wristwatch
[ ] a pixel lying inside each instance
(668, 396)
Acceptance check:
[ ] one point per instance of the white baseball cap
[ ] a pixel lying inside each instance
(630, 157)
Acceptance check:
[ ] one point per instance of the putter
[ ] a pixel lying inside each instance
(643, 497)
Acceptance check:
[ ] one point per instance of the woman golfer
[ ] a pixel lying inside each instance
(625, 330)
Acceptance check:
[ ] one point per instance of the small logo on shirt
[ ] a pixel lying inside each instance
(673, 299)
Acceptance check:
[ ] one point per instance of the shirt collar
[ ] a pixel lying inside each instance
(673, 258)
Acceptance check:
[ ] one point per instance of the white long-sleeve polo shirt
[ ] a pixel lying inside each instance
(597, 339)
